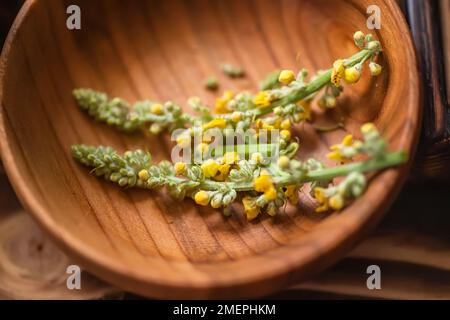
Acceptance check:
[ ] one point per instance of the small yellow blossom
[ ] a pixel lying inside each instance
(322, 199)
(306, 113)
(221, 105)
(179, 168)
(285, 134)
(143, 175)
(338, 72)
(336, 202)
(202, 198)
(215, 123)
(375, 69)
(348, 140)
(336, 149)
(292, 194)
(257, 157)
(285, 124)
(156, 109)
(261, 124)
(183, 140)
(210, 168)
(236, 116)
(250, 208)
(270, 194)
(264, 183)
(352, 75)
(367, 128)
(330, 102)
(262, 99)
(283, 162)
(222, 172)
(286, 77)
(230, 157)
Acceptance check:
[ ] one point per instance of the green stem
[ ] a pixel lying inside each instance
(248, 149)
(389, 160)
(315, 85)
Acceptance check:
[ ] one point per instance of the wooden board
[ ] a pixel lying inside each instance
(165, 51)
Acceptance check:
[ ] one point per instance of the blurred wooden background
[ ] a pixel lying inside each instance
(411, 246)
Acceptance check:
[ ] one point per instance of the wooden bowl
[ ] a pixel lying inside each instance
(143, 241)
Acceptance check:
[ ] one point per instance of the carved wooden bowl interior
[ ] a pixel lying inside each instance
(143, 241)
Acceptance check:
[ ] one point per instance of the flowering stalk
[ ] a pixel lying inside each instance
(265, 186)
(239, 110)
(243, 170)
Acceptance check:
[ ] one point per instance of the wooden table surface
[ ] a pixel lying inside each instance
(411, 246)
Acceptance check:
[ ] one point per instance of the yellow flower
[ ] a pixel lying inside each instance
(257, 157)
(230, 157)
(375, 69)
(270, 194)
(179, 168)
(286, 77)
(222, 172)
(236, 116)
(283, 162)
(292, 194)
(306, 113)
(285, 124)
(202, 198)
(285, 134)
(222, 102)
(210, 168)
(338, 72)
(143, 175)
(336, 149)
(215, 123)
(352, 75)
(260, 124)
(368, 128)
(250, 208)
(336, 156)
(330, 102)
(348, 140)
(320, 196)
(184, 140)
(156, 109)
(336, 202)
(262, 99)
(264, 183)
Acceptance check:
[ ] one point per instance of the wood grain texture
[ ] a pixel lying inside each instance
(426, 29)
(146, 242)
(445, 27)
(31, 267)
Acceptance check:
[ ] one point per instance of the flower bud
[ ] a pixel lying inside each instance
(358, 37)
(375, 69)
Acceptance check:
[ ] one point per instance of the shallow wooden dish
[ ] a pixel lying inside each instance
(143, 241)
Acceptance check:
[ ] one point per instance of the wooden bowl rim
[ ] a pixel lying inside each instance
(232, 286)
